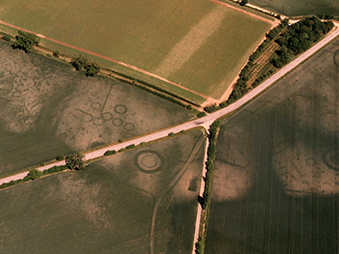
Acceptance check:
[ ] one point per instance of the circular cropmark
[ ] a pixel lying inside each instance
(129, 126)
(117, 122)
(120, 109)
(329, 121)
(336, 58)
(310, 161)
(93, 93)
(96, 105)
(331, 159)
(148, 161)
(107, 116)
(98, 121)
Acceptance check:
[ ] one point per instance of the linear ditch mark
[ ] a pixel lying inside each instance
(172, 183)
(102, 109)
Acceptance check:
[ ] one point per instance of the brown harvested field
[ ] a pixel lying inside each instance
(276, 180)
(49, 109)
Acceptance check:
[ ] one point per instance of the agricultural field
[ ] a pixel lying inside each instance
(297, 7)
(276, 182)
(197, 45)
(49, 109)
(140, 201)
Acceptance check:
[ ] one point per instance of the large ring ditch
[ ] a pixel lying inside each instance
(148, 161)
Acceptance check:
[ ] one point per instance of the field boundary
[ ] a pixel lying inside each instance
(131, 67)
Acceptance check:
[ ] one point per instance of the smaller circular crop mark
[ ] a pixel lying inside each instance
(107, 116)
(129, 127)
(148, 161)
(117, 122)
(120, 109)
(96, 105)
(93, 93)
(98, 121)
(310, 161)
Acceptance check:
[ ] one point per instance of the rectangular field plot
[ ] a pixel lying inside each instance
(48, 109)
(198, 44)
(276, 182)
(140, 201)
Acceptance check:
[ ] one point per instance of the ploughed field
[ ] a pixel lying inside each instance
(197, 44)
(297, 7)
(49, 109)
(276, 181)
(140, 201)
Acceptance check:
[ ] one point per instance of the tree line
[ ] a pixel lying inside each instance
(292, 41)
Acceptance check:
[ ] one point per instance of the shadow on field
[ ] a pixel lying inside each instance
(276, 185)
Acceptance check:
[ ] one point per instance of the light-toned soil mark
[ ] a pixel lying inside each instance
(189, 44)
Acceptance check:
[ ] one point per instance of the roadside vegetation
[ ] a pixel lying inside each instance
(205, 200)
(81, 62)
(24, 41)
(282, 45)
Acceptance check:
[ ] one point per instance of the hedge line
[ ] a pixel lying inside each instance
(206, 198)
(157, 88)
(296, 39)
(33, 175)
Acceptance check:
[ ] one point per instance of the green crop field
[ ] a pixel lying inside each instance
(297, 7)
(140, 201)
(275, 187)
(49, 109)
(198, 44)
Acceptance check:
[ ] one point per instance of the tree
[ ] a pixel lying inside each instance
(81, 62)
(78, 62)
(244, 2)
(25, 41)
(91, 69)
(56, 53)
(75, 161)
(33, 174)
(60, 157)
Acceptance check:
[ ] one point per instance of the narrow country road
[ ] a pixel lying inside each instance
(204, 121)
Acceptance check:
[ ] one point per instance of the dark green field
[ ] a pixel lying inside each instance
(48, 109)
(110, 207)
(297, 7)
(276, 181)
